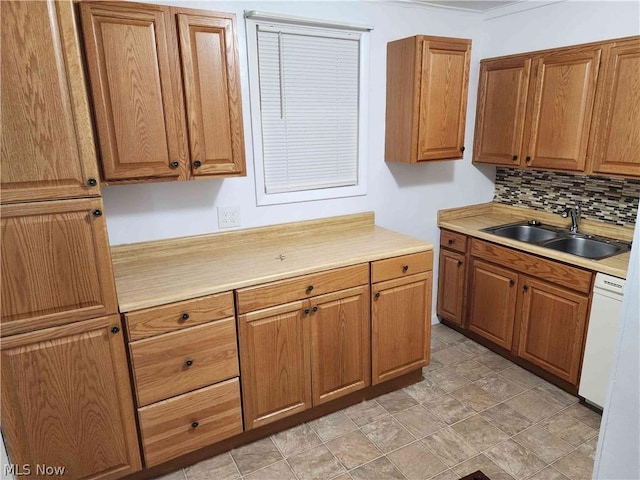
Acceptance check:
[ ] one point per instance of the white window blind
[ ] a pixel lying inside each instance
(309, 106)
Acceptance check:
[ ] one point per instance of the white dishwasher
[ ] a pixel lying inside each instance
(601, 338)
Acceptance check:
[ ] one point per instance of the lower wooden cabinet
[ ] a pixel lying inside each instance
(493, 302)
(66, 400)
(552, 328)
(401, 326)
(451, 284)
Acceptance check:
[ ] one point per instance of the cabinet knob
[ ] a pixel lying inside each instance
(525, 288)
(188, 363)
(451, 241)
(115, 330)
(459, 262)
(197, 164)
(194, 425)
(377, 295)
(306, 311)
(185, 317)
(92, 182)
(514, 158)
(314, 309)
(310, 289)
(174, 164)
(405, 268)
(97, 212)
(462, 149)
(512, 282)
(528, 159)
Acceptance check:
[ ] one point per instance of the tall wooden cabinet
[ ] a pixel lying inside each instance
(47, 141)
(139, 57)
(66, 396)
(427, 82)
(452, 277)
(570, 109)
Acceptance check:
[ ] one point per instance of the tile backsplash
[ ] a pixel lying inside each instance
(605, 199)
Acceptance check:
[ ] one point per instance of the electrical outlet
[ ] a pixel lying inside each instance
(228, 217)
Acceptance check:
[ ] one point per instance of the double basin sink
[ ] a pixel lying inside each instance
(562, 240)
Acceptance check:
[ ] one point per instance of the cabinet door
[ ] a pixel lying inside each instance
(493, 302)
(340, 343)
(274, 363)
(136, 90)
(451, 295)
(560, 118)
(66, 400)
(56, 266)
(616, 136)
(443, 99)
(401, 324)
(552, 328)
(47, 142)
(502, 99)
(211, 74)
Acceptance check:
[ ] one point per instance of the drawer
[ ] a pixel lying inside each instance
(178, 362)
(454, 241)
(189, 422)
(176, 316)
(299, 288)
(403, 266)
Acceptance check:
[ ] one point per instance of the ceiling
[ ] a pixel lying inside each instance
(469, 5)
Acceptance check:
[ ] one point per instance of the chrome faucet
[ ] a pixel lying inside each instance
(575, 216)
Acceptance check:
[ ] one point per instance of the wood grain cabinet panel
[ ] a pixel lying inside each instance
(48, 149)
(66, 400)
(212, 91)
(552, 328)
(616, 132)
(275, 357)
(401, 326)
(451, 286)
(178, 362)
(188, 422)
(502, 101)
(493, 294)
(563, 99)
(56, 265)
(340, 343)
(427, 82)
(136, 91)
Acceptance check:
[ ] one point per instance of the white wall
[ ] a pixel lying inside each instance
(618, 454)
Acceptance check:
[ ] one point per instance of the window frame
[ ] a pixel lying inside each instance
(252, 20)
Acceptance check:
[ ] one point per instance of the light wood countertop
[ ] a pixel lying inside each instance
(156, 273)
(472, 219)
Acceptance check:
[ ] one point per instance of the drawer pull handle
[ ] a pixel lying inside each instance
(309, 288)
(185, 317)
(314, 309)
(405, 268)
(188, 363)
(306, 311)
(377, 295)
(459, 262)
(194, 425)
(451, 241)
(115, 330)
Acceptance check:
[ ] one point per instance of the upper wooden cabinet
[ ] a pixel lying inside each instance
(615, 139)
(56, 264)
(145, 130)
(563, 95)
(66, 400)
(569, 109)
(427, 81)
(47, 142)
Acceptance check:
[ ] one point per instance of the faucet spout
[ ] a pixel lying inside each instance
(575, 213)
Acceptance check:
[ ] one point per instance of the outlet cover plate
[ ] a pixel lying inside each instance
(228, 217)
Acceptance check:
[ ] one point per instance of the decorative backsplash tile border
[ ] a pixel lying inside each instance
(611, 200)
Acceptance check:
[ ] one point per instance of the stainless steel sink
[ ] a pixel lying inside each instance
(585, 247)
(560, 239)
(526, 233)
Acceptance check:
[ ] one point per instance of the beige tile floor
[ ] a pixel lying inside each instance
(474, 410)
